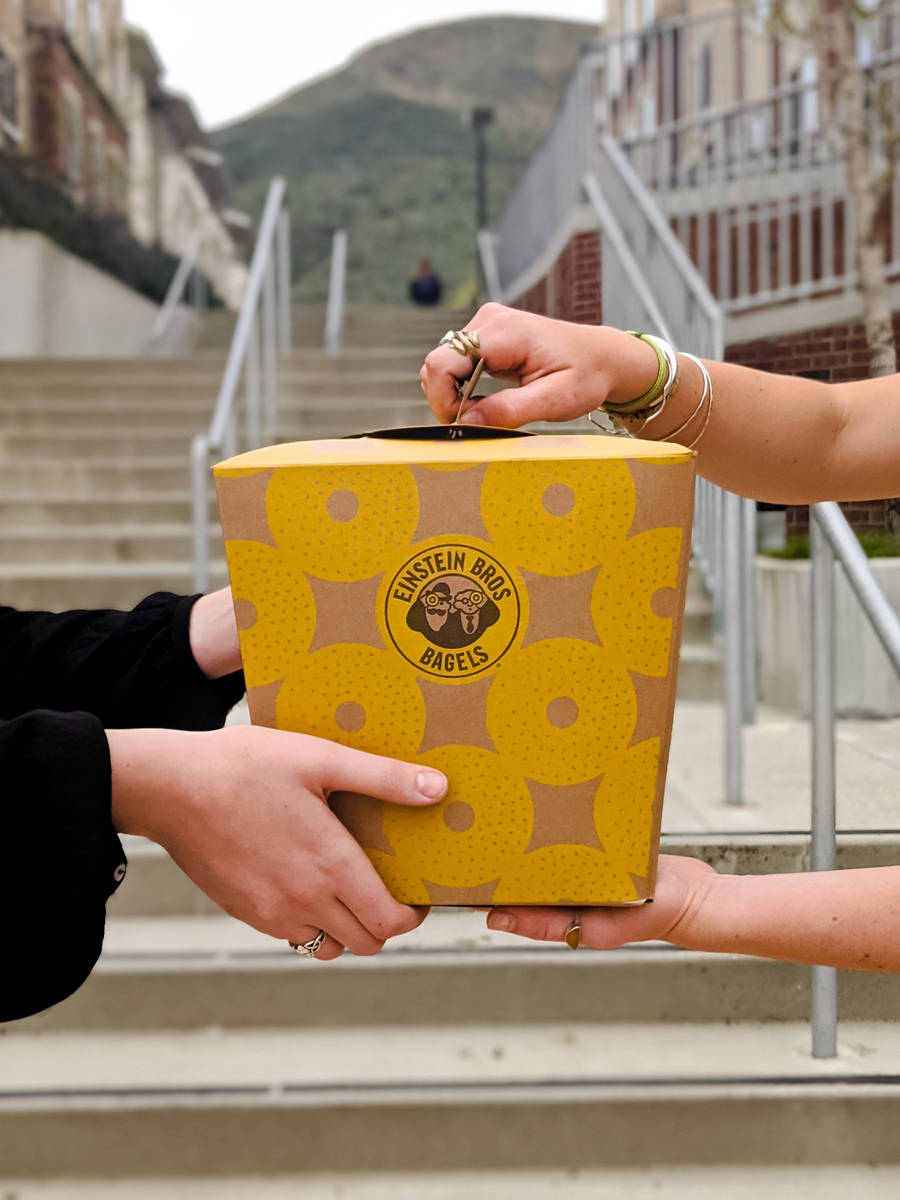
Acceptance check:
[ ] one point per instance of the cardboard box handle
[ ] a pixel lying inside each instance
(443, 433)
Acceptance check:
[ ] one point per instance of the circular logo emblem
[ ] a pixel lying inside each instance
(452, 610)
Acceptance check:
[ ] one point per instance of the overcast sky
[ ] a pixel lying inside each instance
(231, 56)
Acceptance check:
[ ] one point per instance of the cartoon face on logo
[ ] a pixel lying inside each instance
(452, 610)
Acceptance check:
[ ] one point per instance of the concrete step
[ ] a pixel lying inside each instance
(476, 1098)
(697, 624)
(103, 543)
(157, 888)
(61, 586)
(188, 973)
(356, 412)
(700, 671)
(671, 1182)
(54, 507)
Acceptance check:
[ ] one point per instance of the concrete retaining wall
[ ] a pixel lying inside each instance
(866, 682)
(55, 305)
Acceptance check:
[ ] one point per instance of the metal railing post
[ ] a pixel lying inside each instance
(732, 584)
(823, 840)
(243, 357)
(337, 286)
(285, 309)
(252, 389)
(175, 291)
(749, 607)
(270, 354)
(200, 510)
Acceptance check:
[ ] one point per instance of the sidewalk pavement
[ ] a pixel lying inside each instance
(776, 773)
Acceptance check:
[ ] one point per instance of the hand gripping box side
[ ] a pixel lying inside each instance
(505, 609)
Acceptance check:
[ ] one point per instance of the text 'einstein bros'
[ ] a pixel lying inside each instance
(504, 608)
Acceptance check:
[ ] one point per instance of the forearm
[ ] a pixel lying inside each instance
(782, 438)
(848, 919)
(213, 635)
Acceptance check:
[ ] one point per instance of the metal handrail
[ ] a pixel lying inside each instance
(487, 253)
(831, 538)
(175, 290)
(267, 294)
(337, 289)
(693, 318)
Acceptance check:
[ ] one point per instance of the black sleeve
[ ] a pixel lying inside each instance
(130, 669)
(60, 858)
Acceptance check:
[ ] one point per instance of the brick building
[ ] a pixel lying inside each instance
(718, 135)
(81, 99)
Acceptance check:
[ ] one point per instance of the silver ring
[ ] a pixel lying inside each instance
(464, 341)
(311, 948)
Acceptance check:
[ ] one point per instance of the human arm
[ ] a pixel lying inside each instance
(778, 438)
(244, 812)
(172, 660)
(848, 919)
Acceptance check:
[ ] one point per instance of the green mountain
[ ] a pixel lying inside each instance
(384, 148)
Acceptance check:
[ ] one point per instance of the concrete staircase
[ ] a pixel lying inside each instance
(456, 1063)
(94, 459)
(203, 1059)
(94, 455)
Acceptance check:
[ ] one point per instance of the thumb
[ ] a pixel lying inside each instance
(550, 398)
(389, 779)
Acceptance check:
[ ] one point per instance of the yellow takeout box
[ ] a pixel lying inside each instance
(505, 608)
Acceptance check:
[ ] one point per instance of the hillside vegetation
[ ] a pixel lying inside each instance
(384, 148)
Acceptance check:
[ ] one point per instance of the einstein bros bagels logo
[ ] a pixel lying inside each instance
(452, 610)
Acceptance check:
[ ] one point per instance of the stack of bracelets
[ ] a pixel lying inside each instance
(649, 406)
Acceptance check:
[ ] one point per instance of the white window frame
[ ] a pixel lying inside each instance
(75, 135)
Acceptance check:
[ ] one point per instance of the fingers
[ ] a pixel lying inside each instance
(546, 399)
(342, 929)
(329, 949)
(601, 928)
(442, 372)
(341, 769)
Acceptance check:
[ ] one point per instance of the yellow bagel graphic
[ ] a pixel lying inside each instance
(473, 835)
(560, 874)
(341, 524)
(355, 695)
(283, 606)
(560, 710)
(557, 518)
(623, 806)
(400, 881)
(631, 573)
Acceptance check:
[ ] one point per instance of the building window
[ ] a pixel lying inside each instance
(117, 197)
(706, 77)
(9, 107)
(73, 131)
(95, 31)
(99, 183)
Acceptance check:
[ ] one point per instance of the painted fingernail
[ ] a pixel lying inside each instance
(431, 784)
(501, 921)
(573, 937)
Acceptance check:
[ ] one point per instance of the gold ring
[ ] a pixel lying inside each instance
(573, 933)
(311, 948)
(463, 341)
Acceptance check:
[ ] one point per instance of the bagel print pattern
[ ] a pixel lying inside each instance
(511, 623)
